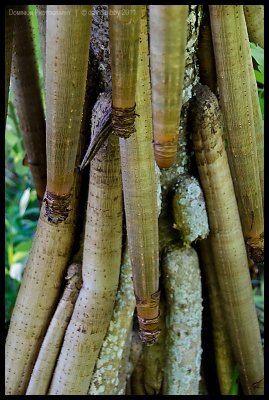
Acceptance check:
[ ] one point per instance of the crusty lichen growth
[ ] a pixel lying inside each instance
(110, 356)
(189, 210)
(124, 364)
(182, 283)
(100, 44)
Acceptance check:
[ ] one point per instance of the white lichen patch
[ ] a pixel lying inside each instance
(182, 283)
(159, 188)
(105, 378)
(189, 210)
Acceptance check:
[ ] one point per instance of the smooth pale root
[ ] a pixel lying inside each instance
(222, 345)
(168, 36)
(47, 357)
(205, 53)
(66, 71)
(37, 298)
(9, 23)
(117, 337)
(254, 16)
(139, 188)
(124, 28)
(232, 64)
(28, 102)
(182, 282)
(100, 271)
(227, 240)
(41, 10)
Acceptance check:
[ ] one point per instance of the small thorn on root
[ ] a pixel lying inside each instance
(57, 207)
(123, 121)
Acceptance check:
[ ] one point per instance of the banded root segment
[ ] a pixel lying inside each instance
(66, 72)
(254, 16)
(227, 240)
(28, 101)
(153, 360)
(233, 59)
(148, 325)
(168, 36)
(9, 24)
(47, 357)
(139, 189)
(57, 207)
(124, 29)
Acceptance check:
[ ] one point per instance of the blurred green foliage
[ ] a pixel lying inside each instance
(21, 209)
(258, 56)
(21, 206)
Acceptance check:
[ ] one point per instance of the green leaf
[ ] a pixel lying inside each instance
(10, 138)
(259, 77)
(20, 255)
(261, 69)
(257, 53)
(24, 201)
(262, 106)
(234, 388)
(23, 246)
(10, 254)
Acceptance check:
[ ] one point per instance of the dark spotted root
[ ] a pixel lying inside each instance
(148, 315)
(57, 207)
(123, 121)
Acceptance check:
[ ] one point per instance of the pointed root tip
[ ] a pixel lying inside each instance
(165, 154)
